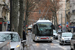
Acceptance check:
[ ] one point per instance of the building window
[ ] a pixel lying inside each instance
(73, 11)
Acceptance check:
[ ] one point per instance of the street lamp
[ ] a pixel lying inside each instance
(52, 0)
(65, 15)
(33, 2)
(10, 14)
(61, 22)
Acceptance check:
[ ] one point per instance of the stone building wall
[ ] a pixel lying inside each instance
(4, 10)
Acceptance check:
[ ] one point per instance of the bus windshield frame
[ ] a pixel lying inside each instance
(45, 29)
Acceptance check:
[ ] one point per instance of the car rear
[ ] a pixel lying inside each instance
(65, 41)
(66, 38)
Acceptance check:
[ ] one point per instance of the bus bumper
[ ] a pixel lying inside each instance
(43, 38)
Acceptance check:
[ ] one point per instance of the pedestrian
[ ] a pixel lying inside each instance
(69, 30)
(24, 35)
(13, 30)
(9, 29)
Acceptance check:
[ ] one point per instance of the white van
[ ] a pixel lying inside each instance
(65, 38)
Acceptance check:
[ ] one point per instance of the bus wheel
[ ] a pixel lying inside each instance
(50, 41)
(33, 40)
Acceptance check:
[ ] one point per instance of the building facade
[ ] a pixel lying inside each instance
(68, 11)
(4, 13)
(72, 14)
(61, 12)
(72, 10)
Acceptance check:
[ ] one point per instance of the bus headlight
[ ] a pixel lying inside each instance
(51, 37)
(62, 38)
(37, 37)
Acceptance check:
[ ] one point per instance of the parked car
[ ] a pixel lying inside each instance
(73, 42)
(55, 34)
(65, 38)
(15, 43)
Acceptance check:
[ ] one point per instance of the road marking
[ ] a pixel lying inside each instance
(54, 47)
(61, 47)
(45, 44)
(46, 49)
(57, 40)
(52, 44)
(34, 44)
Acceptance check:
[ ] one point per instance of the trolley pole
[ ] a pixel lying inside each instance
(61, 22)
(10, 15)
(47, 12)
(43, 12)
(65, 16)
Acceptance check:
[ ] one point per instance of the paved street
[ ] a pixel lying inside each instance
(45, 45)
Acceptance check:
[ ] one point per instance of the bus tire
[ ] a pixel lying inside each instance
(33, 40)
(60, 43)
(50, 41)
(71, 49)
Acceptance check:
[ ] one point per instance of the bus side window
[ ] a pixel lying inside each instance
(34, 29)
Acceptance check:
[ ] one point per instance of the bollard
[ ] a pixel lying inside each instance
(23, 43)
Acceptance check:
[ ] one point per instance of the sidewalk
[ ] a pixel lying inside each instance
(28, 42)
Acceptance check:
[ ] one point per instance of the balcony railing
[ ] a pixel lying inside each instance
(73, 11)
(68, 12)
(2, 2)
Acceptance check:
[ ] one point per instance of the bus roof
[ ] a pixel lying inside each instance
(30, 26)
(43, 21)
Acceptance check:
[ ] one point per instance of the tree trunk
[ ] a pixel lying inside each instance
(26, 19)
(52, 19)
(20, 27)
(56, 24)
(15, 15)
(27, 13)
(11, 9)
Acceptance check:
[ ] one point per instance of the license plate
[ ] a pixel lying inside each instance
(43, 38)
(67, 41)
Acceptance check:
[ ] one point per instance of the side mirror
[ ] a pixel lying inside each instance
(23, 41)
(72, 38)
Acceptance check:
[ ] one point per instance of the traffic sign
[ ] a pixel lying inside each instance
(67, 23)
(67, 26)
(60, 24)
(39, 11)
(72, 26)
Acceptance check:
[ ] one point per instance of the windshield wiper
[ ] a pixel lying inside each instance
(66, 36)
(1, 41)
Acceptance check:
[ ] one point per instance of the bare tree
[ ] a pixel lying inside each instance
(14, 15)
(20, 27)
(29, 8)
(55, 7)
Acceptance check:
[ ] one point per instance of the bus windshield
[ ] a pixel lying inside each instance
(45, 29)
